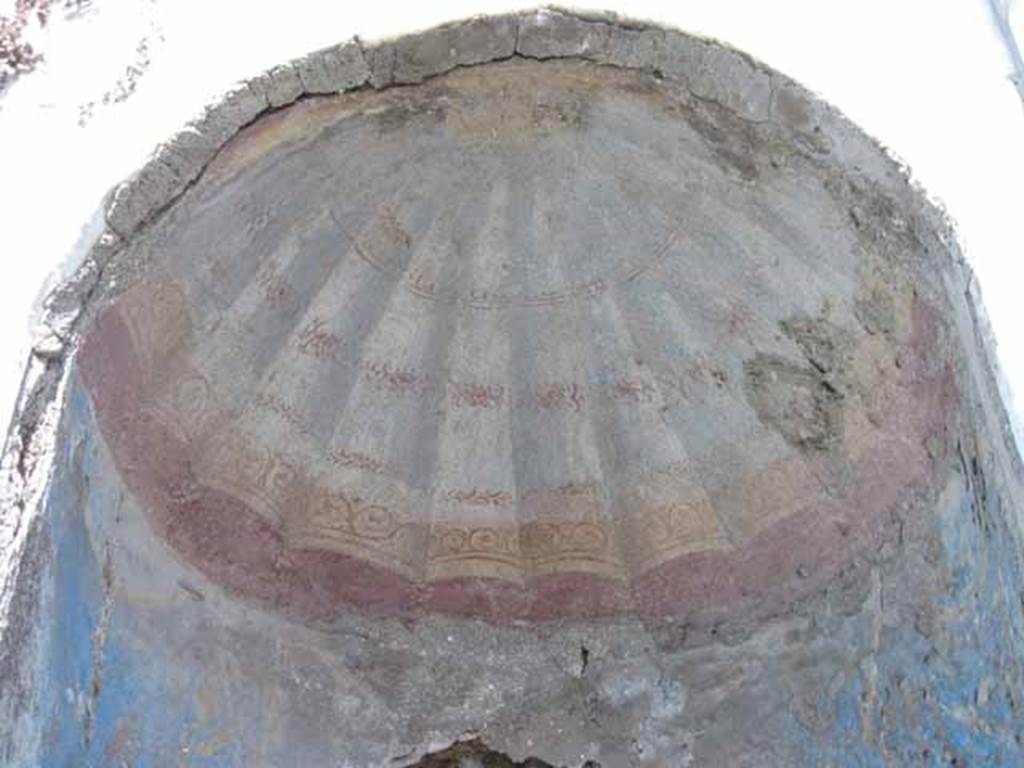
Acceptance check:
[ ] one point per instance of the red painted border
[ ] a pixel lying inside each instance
(239, 550)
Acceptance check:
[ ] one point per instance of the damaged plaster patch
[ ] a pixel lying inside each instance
(804, 403)
(475, 754)
(795, 400)
(825, 345)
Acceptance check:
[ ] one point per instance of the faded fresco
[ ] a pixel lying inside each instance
(545, 390)
(482, 348)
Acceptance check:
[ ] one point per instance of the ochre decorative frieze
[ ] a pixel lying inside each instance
(257, 474)
(432, 534)
(343, 522)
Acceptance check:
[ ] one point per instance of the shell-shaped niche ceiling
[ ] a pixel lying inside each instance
(530, 340)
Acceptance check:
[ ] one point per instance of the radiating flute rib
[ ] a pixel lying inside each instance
(368, 186)
(430, 445)
(445, 543)
(403, 369)
(556, 503)
(521, 245)
(271, 286)
(289, 370)
(345, 369)
(691, 468)
(607, 478)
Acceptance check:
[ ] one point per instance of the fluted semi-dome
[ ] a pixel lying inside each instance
(546, 389)
(532, 340)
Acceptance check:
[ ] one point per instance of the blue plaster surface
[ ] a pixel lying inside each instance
(112, 701)
(930, 711)
(105, 702)
(77, 596)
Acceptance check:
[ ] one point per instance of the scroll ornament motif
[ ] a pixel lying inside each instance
(339, 521)
(529, 549)
(254, 473)
(681, 526)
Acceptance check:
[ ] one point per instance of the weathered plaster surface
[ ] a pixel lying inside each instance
(157, 616)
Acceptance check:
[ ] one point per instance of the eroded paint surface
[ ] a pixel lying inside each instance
(563, 408)
(479, 362)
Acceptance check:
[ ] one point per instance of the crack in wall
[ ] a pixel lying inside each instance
(99, 646)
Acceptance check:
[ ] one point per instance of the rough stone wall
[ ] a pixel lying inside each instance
(117, 653)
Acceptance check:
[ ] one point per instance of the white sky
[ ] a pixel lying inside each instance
(927, 77)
